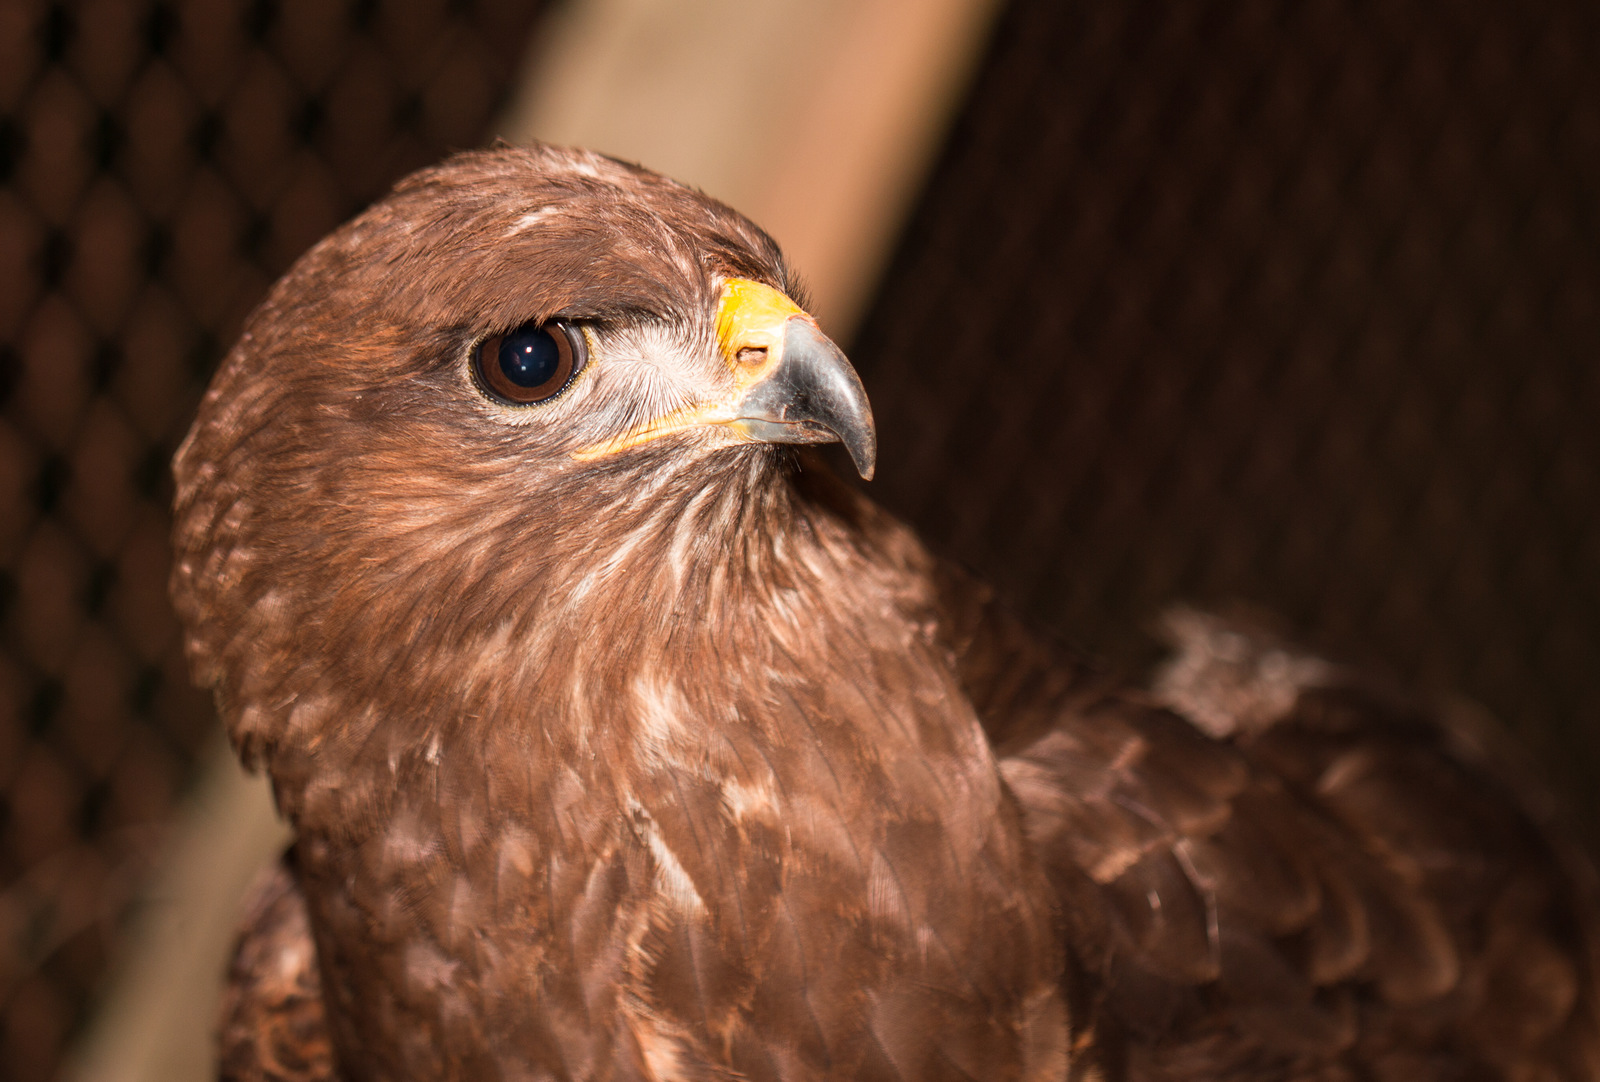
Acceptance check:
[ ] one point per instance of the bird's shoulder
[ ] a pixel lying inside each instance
(1270, 866)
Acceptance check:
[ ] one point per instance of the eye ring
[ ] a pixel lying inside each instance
(531, 363)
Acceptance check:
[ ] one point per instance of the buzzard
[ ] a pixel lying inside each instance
(623, 741)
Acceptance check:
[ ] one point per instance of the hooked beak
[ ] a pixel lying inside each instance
(791, 384)
(807, 393)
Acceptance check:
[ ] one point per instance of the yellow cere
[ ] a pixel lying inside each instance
(749, 316)
(752, 316)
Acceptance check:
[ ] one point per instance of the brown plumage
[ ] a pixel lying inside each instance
(620, 747)
(275, 1026)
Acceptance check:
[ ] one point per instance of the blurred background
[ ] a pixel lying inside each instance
(1289, 303)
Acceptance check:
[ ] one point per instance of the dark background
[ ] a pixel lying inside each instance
(1289, 302)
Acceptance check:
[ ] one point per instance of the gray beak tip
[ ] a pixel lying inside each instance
(864, 455)
(814, 396)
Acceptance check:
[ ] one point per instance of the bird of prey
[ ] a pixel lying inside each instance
(622, 740)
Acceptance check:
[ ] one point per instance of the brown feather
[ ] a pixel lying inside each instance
(273, 1025)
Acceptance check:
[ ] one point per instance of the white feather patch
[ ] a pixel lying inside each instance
(531, 219)
(674, 883)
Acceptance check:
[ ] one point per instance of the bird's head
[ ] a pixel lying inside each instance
(516, 373)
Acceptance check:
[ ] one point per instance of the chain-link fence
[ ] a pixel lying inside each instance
(160, 164)
(1293, 302)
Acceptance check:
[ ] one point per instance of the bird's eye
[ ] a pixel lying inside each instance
(532, 363)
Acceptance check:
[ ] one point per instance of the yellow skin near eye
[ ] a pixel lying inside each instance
(750, 316)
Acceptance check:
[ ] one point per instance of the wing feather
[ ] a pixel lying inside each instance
(1271, 868)
(273, 1028)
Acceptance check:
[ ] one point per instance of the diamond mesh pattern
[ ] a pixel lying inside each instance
(1288, 302)
(160, 164)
